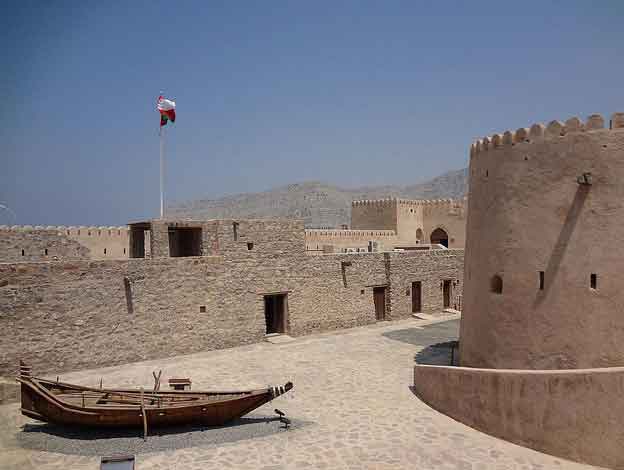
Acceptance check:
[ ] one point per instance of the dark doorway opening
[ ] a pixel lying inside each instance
(416, 297)
(185, 241)
(276, 313)
(379, 297)
(446, 293)
(439, 236)
(137, 239)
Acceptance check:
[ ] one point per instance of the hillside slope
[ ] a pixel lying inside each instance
(319, 204)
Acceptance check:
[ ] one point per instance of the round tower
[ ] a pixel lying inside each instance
(544, 266)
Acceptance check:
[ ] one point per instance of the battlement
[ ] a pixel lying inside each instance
(355, 234)
(408, 202)
(111, 231)
(388, 202)
(538, 132)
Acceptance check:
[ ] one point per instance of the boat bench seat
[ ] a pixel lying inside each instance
(180, 384)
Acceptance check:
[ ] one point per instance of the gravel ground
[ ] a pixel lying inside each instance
(95, 442)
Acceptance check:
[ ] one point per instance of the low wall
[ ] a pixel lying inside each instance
(574, 414)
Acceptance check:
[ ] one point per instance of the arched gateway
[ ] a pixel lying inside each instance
(439, 236)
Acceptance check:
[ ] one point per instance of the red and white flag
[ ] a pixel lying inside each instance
(166, 108)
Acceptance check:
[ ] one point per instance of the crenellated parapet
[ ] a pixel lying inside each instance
(93, 231)
(348, 234)
(407, 202)
(540, 132)
(387, 202)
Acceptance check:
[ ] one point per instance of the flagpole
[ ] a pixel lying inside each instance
(162, 172)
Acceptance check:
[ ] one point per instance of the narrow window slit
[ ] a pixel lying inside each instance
(593, 281)
(541, 280)
(496, 284)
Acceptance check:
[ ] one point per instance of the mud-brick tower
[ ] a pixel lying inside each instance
(544, 267)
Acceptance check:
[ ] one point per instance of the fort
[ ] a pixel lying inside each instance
(377, 225)
(541, 338)
(542, 331)
(184, 286)
(387, 224)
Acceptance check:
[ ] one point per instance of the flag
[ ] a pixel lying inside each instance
(166, 108)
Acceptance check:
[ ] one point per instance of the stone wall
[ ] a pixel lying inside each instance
(431, 270)
(78, 314)
(36, 245)
(574, 414)
(52, 243)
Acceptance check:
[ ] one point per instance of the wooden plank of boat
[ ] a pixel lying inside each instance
(65, 403)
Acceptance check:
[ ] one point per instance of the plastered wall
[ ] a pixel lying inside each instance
(574, 414)
(528, 214)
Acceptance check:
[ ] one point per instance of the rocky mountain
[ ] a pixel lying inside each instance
(319, 204)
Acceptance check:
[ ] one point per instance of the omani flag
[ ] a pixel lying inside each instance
(167, 110)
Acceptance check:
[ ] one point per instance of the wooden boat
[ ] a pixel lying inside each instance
(63, 403)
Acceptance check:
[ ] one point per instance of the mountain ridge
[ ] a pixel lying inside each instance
(320, 205)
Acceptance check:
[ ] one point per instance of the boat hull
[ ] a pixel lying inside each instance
(38, 403)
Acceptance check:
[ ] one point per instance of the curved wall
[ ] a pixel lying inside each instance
(575, 414)
(528, 213)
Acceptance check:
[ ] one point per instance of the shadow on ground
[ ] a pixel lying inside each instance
(439, 354)
(95, 441)
(436, 341)
(427, 334)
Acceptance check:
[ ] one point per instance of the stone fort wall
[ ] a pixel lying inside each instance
(545, 241)
(74, 314)
(28, 243)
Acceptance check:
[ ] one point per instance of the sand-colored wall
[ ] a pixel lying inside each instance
(379, 214)
(574, 414)
(317, 239)
(527, 213)
(450, 216)
(37, 243)
(395, 223)
(409, 220)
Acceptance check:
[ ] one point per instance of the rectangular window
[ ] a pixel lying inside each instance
(541, 280)
(593, 281)
(235, 230)
(185, 241)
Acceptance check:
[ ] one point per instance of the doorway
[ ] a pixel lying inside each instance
(446, 293)
(379, 297)
(416, 297)
(439, 236)
(276, 313)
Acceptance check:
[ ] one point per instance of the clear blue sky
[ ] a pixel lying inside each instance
(270, 93)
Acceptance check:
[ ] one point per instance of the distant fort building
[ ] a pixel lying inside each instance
(387, 224)
(376, 226)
